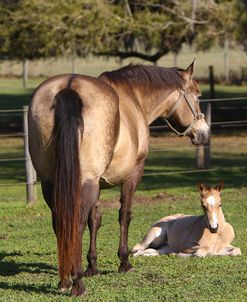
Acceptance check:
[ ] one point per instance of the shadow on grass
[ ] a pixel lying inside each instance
(229, 167)
(45, 289)
(13, 171)
(15, 101)
(12, 122)
(12, 268)
(224, 92)
(168, 162)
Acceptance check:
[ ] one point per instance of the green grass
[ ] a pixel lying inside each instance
(28, 258)
(28, 261)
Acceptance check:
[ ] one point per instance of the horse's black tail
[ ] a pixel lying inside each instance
(67, 132)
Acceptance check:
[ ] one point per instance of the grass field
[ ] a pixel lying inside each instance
(28, 262)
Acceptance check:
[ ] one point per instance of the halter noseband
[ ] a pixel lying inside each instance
(196, 116)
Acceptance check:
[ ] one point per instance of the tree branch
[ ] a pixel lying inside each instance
(135, 54)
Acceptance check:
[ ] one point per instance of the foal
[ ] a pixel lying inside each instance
(186, 235)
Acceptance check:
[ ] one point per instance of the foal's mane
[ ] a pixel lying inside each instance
(146, 76)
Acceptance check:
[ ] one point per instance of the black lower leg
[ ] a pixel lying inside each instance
(127, 193)
(94, 223)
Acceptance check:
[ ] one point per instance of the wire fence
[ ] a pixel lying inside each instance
(32, 180)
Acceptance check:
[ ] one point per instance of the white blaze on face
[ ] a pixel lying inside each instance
(214, 223)
(211, 202)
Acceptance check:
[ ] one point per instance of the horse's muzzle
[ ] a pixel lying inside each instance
(200, 133)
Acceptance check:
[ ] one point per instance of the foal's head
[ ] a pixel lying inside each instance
(184, 115)
(211, 204)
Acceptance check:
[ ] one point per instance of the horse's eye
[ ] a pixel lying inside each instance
(220, 205)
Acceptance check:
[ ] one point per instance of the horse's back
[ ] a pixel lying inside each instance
(100, 114)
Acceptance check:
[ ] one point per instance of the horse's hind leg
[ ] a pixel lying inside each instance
(89, 196)
(47, 190)
(127, 193)
(94, 223)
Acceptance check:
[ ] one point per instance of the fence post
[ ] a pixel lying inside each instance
(203, 157)
(207, 151)
(30, 172)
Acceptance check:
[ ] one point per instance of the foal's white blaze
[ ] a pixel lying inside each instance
(210, 200)
(214, 223)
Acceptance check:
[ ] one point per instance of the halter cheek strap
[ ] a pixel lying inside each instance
(196, 116)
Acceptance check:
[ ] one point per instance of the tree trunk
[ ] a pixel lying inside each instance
(73, 63)
(24, 72)
(175, 59)
(226, 60)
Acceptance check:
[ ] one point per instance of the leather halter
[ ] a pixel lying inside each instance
(196, 116)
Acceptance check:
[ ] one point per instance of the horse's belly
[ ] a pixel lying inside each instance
(118, 171)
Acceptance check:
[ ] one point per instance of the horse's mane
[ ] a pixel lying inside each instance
(145, 76)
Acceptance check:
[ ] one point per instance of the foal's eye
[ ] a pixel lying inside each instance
(219, 205)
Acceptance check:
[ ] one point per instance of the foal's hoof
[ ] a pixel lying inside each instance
(78, 288)
(125, 267)
(90, 271)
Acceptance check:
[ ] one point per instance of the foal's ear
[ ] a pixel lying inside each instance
(201, 186)
(220, 186)
(188, 72)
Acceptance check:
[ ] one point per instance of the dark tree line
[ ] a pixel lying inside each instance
(147, 29)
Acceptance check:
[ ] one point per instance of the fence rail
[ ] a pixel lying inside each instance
(202, 152)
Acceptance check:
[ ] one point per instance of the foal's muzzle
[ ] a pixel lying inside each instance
(213, 230)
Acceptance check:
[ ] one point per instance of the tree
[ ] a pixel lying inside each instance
(159, 27)
(33, 29)
(241, 32)
(221, 27)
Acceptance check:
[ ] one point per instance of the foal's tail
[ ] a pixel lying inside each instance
(68, 128)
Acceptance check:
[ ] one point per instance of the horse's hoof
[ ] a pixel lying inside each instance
(125, 267)
(91, 272)
(65, 285)
(78, 288)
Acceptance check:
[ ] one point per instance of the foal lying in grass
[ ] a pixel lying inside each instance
(186, 235)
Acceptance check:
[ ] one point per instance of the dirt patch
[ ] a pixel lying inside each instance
(138, 199)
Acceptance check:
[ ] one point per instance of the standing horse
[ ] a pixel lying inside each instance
(90, 133)
(188, 235)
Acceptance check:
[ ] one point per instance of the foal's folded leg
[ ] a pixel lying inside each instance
(230, 251)
(151, 239)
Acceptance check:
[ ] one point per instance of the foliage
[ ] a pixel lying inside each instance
(147, 29)
(35, 28)
(221, 23)
(241, 31)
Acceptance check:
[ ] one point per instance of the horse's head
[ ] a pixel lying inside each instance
(211, 204)
(184, 116)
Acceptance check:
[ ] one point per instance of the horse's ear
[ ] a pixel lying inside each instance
(201, 186)
(188, 72)
(220, 186)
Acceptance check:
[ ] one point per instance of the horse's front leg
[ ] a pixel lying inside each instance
(127, 194)
(94, 223)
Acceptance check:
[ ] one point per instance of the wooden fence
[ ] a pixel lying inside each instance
(202, 152)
